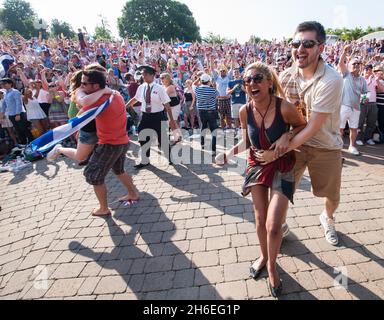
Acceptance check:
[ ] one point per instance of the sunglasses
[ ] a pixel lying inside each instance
(258, 78)
(87, 83)
(307, 44)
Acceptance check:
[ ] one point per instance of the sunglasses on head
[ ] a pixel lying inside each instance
(307, 44)
(258, 78)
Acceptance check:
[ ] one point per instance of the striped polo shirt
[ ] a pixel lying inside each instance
(206, 97)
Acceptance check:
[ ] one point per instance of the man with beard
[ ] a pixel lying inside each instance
(316, 89)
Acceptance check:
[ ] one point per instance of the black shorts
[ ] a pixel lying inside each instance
(104, 158)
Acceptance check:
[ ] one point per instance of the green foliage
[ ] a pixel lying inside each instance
(102, 33)
(158, 19)
(59, 27)
(353, 34)
(216, 39)
(18, 16)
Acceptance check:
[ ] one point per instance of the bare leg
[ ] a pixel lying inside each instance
(353, 137)
(37, 124)
(101, 194)
(12, 135)
(277, 212)
(133, 194)
(331, 207)
(260, 204)
(80, 154)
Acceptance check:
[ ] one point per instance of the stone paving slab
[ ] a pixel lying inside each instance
(192, 236)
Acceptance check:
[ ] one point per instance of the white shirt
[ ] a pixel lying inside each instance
(159, 97)
(43, 96)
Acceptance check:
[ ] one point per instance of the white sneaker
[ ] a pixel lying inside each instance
(353, 151)
(286, 230)
(330, 229)
(54, 154)
(360, 143)
(371, 142)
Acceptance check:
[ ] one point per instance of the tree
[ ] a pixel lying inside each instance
(215, 39)
(158, 19)
(102, 31)
(59, 27)
(18, 16)
(254, 40)
(353, 34)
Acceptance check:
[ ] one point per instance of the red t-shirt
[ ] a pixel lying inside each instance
(111, 124)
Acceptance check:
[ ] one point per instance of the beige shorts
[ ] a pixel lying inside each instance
(324, 166)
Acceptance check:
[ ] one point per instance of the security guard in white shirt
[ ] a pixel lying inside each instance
(155, 105)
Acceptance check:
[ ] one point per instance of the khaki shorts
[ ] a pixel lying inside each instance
(324, 166)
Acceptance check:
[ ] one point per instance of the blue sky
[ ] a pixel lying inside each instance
(236, 19)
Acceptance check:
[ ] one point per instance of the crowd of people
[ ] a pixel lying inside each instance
(277, 97)
(46, 67)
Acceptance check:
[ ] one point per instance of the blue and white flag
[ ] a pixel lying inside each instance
(183, 45)
(50, 139)
(6, 61)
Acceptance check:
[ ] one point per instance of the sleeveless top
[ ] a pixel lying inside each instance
(262, 139)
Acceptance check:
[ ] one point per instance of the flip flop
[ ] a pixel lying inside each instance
(129, 203)
(101, 215)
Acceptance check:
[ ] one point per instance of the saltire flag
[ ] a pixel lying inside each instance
(6, 61)
(47, 141)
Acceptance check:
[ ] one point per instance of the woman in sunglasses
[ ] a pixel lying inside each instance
(264, 120)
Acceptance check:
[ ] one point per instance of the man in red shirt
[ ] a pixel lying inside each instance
(113, 144)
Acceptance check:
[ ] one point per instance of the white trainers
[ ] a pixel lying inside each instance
(286, 230)
(360, 143)
(371, 142)
(54, 154)
(353, 151)
(329, 229)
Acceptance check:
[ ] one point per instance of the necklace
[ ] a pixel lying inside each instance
(269, 106)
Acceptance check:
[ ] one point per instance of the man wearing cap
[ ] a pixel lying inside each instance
(155, 105)
(354, 87)
(206, 98)
(14, 109)
(368, 116)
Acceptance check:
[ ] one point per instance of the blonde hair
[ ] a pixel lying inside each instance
(188, 82)
(263, 68)
(167, 76)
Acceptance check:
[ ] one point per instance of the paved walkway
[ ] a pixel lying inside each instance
(190, 237)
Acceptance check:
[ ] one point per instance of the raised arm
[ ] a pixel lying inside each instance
(84, 100)
(44, 80)
(343, 67)
(23, 77)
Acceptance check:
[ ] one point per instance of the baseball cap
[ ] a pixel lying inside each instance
(205, 78)
(378, 68)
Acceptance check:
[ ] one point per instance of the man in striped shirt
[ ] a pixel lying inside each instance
(206, 101)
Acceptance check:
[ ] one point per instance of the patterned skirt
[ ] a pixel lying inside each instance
(282, 182)
(58, 113)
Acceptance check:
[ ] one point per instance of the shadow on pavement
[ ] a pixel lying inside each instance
(163, 266)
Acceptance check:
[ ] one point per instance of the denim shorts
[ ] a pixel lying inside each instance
(88, 137)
